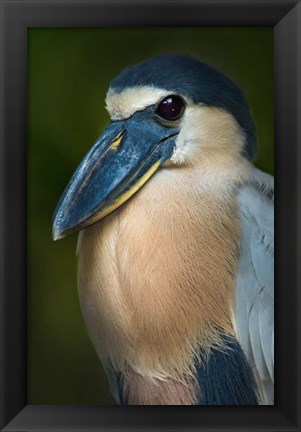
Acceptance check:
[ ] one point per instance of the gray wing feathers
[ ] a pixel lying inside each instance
(255, 281)
(113, 383)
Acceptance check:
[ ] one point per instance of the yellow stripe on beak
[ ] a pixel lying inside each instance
(116, 143)
(127, 195)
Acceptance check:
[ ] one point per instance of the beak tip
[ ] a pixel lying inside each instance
(56, 235)
(57, 231)
(61, 229)
(55, 238)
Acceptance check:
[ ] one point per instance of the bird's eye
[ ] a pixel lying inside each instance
(171, 108)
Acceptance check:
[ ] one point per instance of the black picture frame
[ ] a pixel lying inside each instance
(16, 18)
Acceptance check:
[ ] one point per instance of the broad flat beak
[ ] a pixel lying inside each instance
(123, 159)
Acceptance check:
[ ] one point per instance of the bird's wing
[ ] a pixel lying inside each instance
(114, 383)
(255, 281)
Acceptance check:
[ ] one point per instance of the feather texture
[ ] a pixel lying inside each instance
(157, 278)
(255, 281)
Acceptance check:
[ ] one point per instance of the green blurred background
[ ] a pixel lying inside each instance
(69, 71)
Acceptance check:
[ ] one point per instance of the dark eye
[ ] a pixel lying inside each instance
(171, 108)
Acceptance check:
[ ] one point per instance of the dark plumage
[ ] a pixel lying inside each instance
(196, 80)
(227, 378)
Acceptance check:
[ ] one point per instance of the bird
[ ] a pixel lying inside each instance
(175, 247)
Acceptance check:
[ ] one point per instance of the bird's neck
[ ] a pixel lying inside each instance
(157, 277)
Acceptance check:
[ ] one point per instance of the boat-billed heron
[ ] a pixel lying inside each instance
(175, 250)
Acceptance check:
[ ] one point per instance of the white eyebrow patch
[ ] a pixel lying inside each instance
(121, 105)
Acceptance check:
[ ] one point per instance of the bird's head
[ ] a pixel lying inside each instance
(171, 110)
